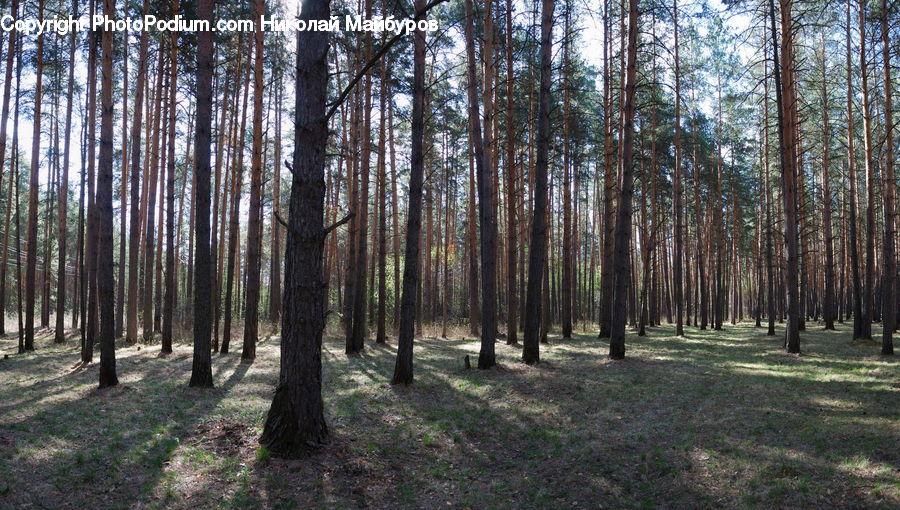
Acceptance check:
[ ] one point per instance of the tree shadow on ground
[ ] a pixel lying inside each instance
(73, 445)
(715, 419)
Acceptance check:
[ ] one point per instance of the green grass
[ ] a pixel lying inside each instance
(716, 419)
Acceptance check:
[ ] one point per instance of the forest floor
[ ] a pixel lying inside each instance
(716, 419)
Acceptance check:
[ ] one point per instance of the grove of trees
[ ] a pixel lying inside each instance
(598, 167)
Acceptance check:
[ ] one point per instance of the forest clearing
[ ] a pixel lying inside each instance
(714, 419)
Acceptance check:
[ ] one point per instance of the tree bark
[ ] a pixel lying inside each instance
(537, 249)
(676, 193)
(150, 222)
(868, 306)
(135, 227)
(4, 119)
(359, 329)
(254, 226)
(567, 245)
(105, 266)
(296, 419)
(623, 216)
(275, 285)
(787, 126)
(488, 227)
(171, 276)
(403, 369)
(201, 367)
(512, 309)
(889, 304)
(607, 274)
(31, 246)
(828, 309)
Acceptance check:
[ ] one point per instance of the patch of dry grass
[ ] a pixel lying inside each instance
(716, 419)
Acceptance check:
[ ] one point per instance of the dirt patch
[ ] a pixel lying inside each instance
(6, 440)
(224, 437)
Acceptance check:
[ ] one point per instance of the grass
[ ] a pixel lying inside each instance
(716, 419)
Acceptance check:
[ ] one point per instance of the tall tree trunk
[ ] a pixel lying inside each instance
(512, 307)
(853, 244)
(150, 222)
(105, 266)
(275, 282)
(486, 357)
(537, 249)
(296, 418)
(828, 309)
(356, 340)
(31, 246)
(403, 369)
(60, 333)
(234, 226)
(623, 216)
(395, 211)
(254, 226)
(787, 127)
(123, 197)
(869, 288)
(889, 306)
(607, 274)
(201, 366)
(567, 247)
(134, 240)
(703, 302)
(474, 308)
(4, 119)
(171, 276)
(676, 193)
(381, 199)
(767, 190)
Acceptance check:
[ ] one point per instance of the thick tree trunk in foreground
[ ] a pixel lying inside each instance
(487, 356)
(609, 187)
(785, 88)
(201, 367)
(296, 419)
(403, 369)
(537, 248)
(622, 260)
(105, 267)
